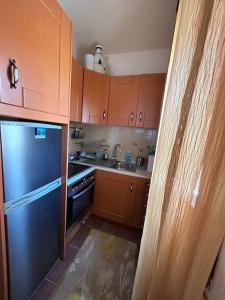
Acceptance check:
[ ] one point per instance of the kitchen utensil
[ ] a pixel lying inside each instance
(140, 161)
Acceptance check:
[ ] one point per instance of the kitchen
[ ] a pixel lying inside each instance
(99, 140)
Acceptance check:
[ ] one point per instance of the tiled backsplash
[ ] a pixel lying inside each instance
(97, 138)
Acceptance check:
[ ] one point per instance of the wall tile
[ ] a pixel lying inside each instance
(97, 138)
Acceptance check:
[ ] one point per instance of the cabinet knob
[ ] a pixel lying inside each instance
(104, 115)
(13, 73)
(132, 116)
(131, 187)
(140, 117)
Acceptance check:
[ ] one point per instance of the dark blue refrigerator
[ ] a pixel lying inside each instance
(31, 156)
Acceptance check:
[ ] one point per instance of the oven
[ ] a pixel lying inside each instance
(79, 199)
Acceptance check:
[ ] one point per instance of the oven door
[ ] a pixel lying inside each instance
(78, 202)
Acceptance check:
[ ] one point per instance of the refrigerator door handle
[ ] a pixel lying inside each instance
(32, 196)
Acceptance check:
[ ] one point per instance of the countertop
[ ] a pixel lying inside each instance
(104, 165)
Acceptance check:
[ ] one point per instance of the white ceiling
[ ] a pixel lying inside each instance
(121, 25)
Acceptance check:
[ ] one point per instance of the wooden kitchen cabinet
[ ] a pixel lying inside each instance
(114, 197)
(150, 100)
(140, 202)
(77, 79)
(121, 198)
(37, 35)
(123, 100)
(95, 97)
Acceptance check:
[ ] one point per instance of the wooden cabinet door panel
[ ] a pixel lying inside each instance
(142, 190)
(97, 87)
(105, 101)
(123, 100)
(65, 64)
(11, 29)
(41, 55)
(150, 100)
(140, 203)
(114, 197)
(37, 34)
(54, 7)
(76, 92)
(95, 97)
(87, 91)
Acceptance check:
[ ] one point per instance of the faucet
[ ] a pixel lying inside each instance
(118, 151)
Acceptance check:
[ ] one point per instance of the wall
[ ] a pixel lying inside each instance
(96, 138)
(142, 62)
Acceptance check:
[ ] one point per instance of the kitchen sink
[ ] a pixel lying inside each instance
(124, 166)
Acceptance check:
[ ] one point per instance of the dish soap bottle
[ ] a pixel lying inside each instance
(128, 157)
(106, 155)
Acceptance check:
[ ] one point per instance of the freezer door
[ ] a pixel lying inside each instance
(31, 156)
(33, 235)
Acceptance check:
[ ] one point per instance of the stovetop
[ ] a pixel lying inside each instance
(74, 169)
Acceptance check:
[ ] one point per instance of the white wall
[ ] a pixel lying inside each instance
(141, 62)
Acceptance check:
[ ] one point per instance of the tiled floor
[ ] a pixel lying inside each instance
(56, 274)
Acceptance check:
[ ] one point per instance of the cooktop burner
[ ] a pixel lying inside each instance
(74, 169)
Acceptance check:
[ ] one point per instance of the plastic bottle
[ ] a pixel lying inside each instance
(128, 157)
(106, 155)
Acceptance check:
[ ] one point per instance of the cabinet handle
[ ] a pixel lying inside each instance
(131, 187)
(104, 115)
(13, 73)
(132, 116)
(140, 117)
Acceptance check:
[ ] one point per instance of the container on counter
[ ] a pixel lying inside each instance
(128, 157)
(106, 154)
(140, 160)
(150, 162)
(99, 155)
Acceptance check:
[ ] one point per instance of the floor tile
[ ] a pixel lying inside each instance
(96, 222)
(56, 274)
(44, 291)
(81, 235)
(134, 236)
(118, 231)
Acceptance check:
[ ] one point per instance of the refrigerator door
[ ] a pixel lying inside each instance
(33, 235)
(31, 156)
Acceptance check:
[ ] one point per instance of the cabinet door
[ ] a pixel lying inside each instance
(65, 65)
(76, 92)
(41, 57)
(95, 97)
(11, 29)
(150, 100)
(123, 100)
(38, 38)
(114, 197)
(140, 203)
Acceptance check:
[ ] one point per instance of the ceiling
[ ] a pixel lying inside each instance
(121, 25)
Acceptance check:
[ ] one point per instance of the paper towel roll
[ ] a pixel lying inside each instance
(89, 61)
(150, 162)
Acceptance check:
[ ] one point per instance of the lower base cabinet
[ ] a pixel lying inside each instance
(120, 198)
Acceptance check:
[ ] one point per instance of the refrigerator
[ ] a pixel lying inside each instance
(31, 160)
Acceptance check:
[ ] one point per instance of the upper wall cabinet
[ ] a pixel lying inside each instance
(35, 57)
(95, 97)
(77, 79)
(123, 100)
(150, 100)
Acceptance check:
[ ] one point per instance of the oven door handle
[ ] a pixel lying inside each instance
(84, 191)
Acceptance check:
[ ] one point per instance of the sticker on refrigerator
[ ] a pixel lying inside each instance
(40, 133)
